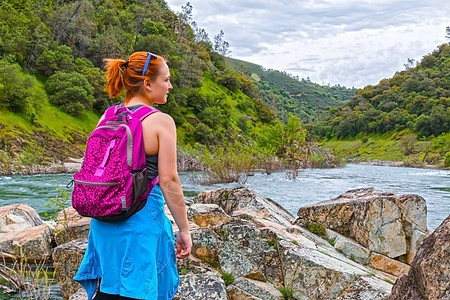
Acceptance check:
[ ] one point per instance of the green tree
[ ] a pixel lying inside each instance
(71, 91)
(13, 87)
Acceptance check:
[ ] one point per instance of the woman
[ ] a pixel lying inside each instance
(135, 259)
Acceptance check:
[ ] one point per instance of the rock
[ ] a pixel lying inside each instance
(313, 274)
(388, 265)
(201, 286)
(383, 222)
(66, 260)
(365, 288)
(349, 247)
(79, 295)
(244, 288)
(71, 226)
(33, 244)
(18, 217)
(241, 198)
(192, 265)
(429, 275)
(206, 215)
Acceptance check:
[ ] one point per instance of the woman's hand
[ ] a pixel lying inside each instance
(184, 244)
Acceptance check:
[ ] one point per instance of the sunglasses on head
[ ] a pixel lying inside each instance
(146, 65)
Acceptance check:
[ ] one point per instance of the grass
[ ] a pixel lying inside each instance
(331, 242)
(286, 292)
(318, 229)
(273, 242)
(227, 278)
(29, 282)
(184, 271)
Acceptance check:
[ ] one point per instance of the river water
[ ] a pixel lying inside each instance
(311, 186)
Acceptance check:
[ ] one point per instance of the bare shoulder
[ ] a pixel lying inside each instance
(160, 119)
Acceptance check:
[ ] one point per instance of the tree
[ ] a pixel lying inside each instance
(70, 91)
(220, 45)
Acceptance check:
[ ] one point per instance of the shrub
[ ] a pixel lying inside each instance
(231, 165)
(447, 160)
(71, 92)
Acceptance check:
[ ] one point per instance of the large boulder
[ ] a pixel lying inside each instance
(242, 198)
(429, 275)
(23, 234)
(386, 223)
(33, 244)
(319, 274)
(17, 217)
(66, 260)
(260, 250)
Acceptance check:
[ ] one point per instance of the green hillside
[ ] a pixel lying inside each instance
(406, 117)
(51, 83)
(285, 94)
(230, 114)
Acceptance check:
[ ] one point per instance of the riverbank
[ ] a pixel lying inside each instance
(185, 164)
(379, 162)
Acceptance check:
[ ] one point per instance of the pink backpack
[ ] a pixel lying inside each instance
(112, 184)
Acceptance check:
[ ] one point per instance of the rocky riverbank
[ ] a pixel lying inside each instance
(249, 247)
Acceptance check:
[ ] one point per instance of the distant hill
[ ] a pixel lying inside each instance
(415, 99)
(286, 94)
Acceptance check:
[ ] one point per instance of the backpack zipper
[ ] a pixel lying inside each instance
(95, 183)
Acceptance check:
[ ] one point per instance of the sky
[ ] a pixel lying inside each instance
(346, 42)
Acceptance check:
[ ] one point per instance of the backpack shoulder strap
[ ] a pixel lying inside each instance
(109, 113)
(144, 111)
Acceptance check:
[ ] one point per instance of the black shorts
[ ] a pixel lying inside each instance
(103, 296)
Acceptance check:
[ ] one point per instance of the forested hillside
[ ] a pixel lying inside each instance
(51, 81)
(404, 118)
(417, 99)
(285, 94)
(229, 113)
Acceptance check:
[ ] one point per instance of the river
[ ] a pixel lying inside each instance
(311, 186)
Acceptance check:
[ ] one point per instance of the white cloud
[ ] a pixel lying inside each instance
(353, 43)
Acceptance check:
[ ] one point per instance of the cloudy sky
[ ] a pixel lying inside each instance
(347, 42)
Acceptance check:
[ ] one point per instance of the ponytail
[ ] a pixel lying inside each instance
(132, 73)
(114, 78)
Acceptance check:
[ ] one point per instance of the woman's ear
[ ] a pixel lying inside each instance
(147, 84)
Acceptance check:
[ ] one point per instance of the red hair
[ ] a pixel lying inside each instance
(122, 74)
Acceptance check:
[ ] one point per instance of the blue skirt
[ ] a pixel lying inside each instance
(134, 258)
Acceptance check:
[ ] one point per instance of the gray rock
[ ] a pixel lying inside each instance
(244, 288)
(79, 295)
(71, 226)
(201, 286)
(382, 222)
(313, 274)
(241, 198)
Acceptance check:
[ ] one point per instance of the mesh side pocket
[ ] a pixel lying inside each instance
(140, 183)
